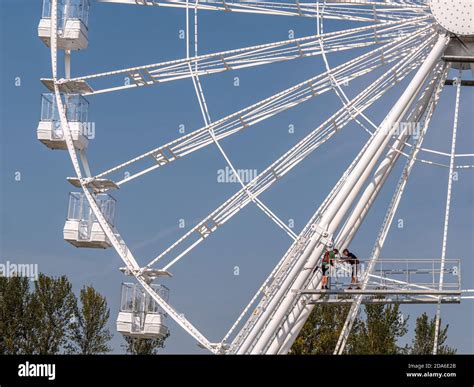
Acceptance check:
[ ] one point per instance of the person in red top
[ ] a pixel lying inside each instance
(328, 259)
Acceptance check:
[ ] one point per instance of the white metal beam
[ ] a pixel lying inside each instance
(349, 11)
(284, 164)
(245, 57)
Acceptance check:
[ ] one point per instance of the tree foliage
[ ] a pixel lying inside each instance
(89, 332)
(45, 318)
(139, 346)
(424, 336)
(321, 331)
(380, 331)
(53, 304)
(15, 315)
(377, 330)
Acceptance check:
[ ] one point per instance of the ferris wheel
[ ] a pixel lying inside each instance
(414, 39)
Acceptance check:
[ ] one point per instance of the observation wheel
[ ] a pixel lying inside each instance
(422, 41)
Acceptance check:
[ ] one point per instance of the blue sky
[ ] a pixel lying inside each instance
(204, 286)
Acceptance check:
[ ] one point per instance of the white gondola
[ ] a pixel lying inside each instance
(50, 131)
(82, 228)
(72, 24)
(140, 316)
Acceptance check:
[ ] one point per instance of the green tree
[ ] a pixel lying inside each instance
(377, 333)
(15, 315)
(380, 331)
(89, 332)
(139, 346)
(321, 331)
(422, 344)
(53, 304)
(47, 320)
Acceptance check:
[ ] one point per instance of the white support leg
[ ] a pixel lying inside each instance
(331, 219)
(392, 208)
(253, 327)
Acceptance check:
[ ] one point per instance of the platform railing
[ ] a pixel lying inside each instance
(407, 277)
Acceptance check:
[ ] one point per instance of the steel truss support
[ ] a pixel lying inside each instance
(279, 307)
(370, 194)
(288, 331)
(358, 214)
(276, 278)
(448, 207)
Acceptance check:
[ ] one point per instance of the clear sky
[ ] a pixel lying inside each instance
(204, 287)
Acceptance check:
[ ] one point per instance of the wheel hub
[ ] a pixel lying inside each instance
(456, 16)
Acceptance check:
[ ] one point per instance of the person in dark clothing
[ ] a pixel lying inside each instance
(351, 259)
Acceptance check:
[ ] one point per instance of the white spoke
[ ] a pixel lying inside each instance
(293, 157)
(364, 11)
(258, 55)
(207, 120)
(268, 107)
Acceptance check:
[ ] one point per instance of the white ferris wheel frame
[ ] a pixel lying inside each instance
(408, 40)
